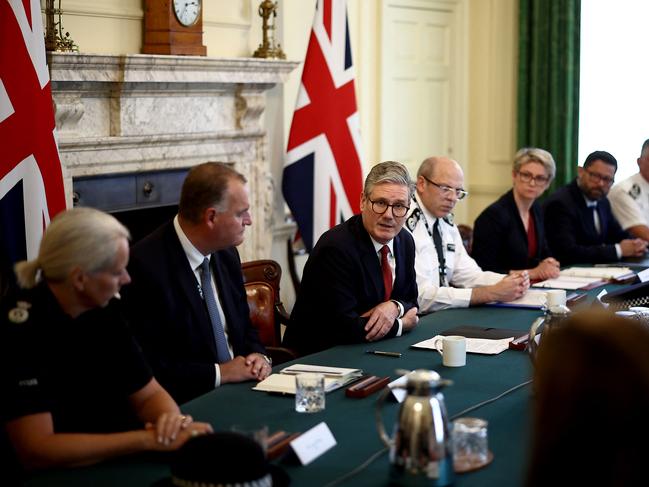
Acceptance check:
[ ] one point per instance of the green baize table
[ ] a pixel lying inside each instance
(352, 421)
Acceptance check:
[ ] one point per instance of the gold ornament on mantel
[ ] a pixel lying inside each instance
(268, 49)
(55, 40)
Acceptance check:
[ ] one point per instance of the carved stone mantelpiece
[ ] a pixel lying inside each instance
(137, 113)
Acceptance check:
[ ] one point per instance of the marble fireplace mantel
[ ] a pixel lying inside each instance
(138, 113)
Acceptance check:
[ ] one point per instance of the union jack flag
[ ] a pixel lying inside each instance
(323, 179)
(31, 180)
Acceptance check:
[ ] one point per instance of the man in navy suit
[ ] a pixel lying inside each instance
(359, 282)
(579, 225)
(197, 341)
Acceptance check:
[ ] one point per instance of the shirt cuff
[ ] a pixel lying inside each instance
(618, 251)
(400, 306)
(217, 378)
(400, 330)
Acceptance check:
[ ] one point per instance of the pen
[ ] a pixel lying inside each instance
(387, 354)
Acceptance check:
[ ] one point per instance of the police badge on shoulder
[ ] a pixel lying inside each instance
(19, 314)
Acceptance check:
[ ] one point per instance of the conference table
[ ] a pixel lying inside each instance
(352, 421)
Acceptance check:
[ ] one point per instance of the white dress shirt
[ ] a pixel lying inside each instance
(462, 272)
(195, 258)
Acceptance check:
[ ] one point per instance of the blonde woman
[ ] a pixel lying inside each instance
(509, 234)
(76, 387)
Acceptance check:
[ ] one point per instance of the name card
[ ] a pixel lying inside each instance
(643, 275)
(313, 443)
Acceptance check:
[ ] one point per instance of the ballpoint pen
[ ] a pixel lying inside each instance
(387, 354)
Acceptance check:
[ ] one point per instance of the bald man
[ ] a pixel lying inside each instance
(447, 277)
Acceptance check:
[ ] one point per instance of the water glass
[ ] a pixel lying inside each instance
(309, 393)
(470, 446)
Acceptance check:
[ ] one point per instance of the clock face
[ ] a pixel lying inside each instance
(187, 11)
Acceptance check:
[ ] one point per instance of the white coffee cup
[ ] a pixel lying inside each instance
(453, 350)
(555, 297)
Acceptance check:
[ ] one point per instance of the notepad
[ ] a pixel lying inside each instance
(284, 382)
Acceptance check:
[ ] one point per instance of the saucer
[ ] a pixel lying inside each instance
(469, 464)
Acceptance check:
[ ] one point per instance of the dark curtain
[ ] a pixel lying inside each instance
(548, 81)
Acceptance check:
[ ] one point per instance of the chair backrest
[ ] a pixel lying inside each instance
(261, 279)
(466, 232)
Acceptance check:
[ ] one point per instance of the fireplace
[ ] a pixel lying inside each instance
(130, 127)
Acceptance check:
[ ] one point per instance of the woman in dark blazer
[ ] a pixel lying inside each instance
(509, 234)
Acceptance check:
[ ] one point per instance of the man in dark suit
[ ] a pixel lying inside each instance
(359, 282)
(580, 227)
(186, 302)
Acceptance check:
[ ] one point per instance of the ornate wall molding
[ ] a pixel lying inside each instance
(139, 113)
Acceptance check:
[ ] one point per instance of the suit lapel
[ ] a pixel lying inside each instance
(187, 284)
(369, 257)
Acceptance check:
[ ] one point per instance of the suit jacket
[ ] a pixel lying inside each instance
(342, 280)
(571, 232)
(500, 238)
(170, 319)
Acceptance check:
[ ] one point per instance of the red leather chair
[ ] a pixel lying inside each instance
(261, 279)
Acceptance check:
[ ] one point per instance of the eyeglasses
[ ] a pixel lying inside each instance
(459, 192)
(596, 178)
(527, 177)
(398, 210)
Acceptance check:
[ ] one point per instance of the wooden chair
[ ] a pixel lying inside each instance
(466, 232)
(261, 279)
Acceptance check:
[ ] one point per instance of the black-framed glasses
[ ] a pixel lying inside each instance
(596, 178)
(459, 192)
(528, 177)
(398, 210)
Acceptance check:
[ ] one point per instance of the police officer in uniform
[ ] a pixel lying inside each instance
(630, 198)
(447, 277)
(77, 389)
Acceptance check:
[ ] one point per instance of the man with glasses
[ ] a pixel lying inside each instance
(359, 284)
(630, 198)
(447, 277)
(579, 223)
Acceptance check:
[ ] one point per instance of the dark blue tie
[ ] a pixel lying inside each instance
(222, 352)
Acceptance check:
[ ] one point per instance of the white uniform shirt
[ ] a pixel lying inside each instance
(630, 201)
(462, 272)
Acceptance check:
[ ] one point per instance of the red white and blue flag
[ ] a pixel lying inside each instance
(31, 181)
(323, 178)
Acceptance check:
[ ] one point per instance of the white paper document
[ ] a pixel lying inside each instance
(580, 277)
(569, 282)
(473, 345)
(284, 382)
(533, 298)
(601, 272)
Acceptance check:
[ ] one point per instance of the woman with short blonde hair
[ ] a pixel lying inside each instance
(77, 389)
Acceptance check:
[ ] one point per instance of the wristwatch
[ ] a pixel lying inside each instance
(268, 359)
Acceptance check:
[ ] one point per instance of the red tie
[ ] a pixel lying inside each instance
(386, 271)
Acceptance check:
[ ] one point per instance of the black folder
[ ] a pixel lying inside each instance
(470, 331)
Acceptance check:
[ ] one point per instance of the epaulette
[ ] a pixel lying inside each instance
(634, 192)
(413, 219)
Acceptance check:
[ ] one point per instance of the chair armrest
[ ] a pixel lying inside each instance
(281, 354)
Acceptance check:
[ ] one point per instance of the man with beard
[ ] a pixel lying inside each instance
(579, 223)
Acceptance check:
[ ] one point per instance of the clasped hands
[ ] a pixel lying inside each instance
(548, 268)
(381, 318)
(172, 430)
(240, 368)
